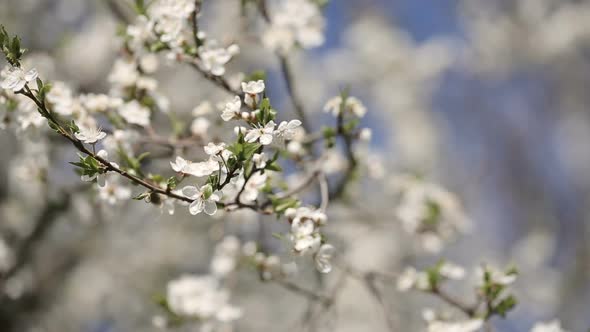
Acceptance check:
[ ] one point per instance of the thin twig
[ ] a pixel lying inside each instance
(324, 191)
(467, 309)
(117, 11)
(304, 292)
(369, 282)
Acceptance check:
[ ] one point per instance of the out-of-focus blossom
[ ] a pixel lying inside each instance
(294, 22)
(552, 326)
(200, 297)
(135, 113)
(352, 105)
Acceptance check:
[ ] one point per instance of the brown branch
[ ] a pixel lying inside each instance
(370, 284)
(110, 167)
(467, 309)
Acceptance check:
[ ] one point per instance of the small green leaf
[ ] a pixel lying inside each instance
(274, 166)
(255, 76)
(171, 183)
(282, 204)
(141, 196)
(208, 191)
(504, 306)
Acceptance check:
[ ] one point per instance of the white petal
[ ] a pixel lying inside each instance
(87, 178)
(266, 139)
(294, 124)
(190, 191)
(196, 206)
(103, 154)
(101, 180)
(252, 135)
(324, 266)
(31, 75)
(210, 207)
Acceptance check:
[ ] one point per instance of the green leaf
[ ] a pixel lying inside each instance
(328, 132)
(15, 47)
(274, 166)
(504, 306)
(141, 196)
(208, 191)
(282, 204)
(265, 104)
(250, 149)
(255, 76)
(171, 183)
(140, 7)
(143, 156)
(73, 127)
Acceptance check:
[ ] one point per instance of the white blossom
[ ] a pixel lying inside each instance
(213, 58)
(352, 104)
(253, 186)
(199, 169)
(430, 212)
(259, 160)
(60, 96)
(323, 258)
(204, 199)
(294, 21)
(305, 223)
(149, 63)
(232, 109)
(552, 326)
(16, 78)
(253, 87)
(99, 177)
(169, 18)
(200, 126)
(140, 32)
(135, 113)
(287, 130)
(497, 276)
(471, 325)
(365, 134)
(112, 191)
(99, 102)
(124, 73)
(226, 256)
(411, 278)
(90, 135)
(28, 117)
(200, 297)
(179, 164)
(263, 134)
(218, 153)
(203, 108)
(452, 271)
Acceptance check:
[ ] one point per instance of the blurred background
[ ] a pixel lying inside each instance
(486, 97)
